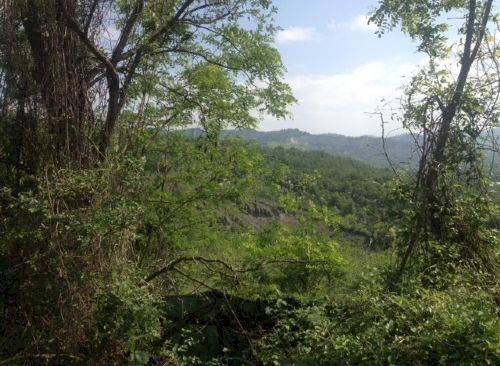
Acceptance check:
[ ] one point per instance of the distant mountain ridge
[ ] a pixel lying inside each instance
(367, 149)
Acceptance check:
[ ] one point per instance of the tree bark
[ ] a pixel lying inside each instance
(468, 57)
(60, 64)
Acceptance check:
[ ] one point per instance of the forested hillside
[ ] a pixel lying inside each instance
(401, 150)
(136, 230)
(367, 149)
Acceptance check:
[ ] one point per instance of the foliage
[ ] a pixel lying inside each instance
(185, 62)
(376, 327)
(349, 194)
(128, 315)
(167, 246)
(276, 242)
(60, 240)
(450, 113)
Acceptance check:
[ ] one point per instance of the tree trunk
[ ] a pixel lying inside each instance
(60, 72)
(437, 161)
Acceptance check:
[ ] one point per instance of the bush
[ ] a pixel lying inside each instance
(62, 240)
(376, 327)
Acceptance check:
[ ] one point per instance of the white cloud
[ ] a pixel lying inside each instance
(360, 22)
(296, 34)
(339, 102)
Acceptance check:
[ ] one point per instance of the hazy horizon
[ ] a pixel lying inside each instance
(398, 133)
(338, 68)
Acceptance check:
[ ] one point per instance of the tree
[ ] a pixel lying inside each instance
(92, 60)
(78, 77)
(449, 113)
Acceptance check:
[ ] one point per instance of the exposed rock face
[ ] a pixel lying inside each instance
(259, 209)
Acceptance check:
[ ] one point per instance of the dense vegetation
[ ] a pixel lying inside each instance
(124, 240)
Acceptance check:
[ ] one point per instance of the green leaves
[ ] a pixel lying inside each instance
(313, 258)
(451, 113)
(217, 68)
(373, 326)
(421, 20)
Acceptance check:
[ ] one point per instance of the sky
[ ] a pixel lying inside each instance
(338, 68)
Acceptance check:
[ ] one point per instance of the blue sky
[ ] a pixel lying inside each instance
(339, 69)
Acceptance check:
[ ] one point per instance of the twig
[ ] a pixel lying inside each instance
(194, 279)
(384, 146)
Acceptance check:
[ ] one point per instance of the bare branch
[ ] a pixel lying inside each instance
(174, 263)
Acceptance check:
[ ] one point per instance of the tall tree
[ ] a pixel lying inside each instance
(92, 59)
(448, 110)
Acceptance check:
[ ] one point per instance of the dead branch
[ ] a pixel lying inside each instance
(172, 265)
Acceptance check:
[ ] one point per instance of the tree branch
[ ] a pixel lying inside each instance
(482, 29)
(126, 31)
(155, 35)
(90, 16)
(162, 29)
(101, 57)
(174, 263)
(203, 56)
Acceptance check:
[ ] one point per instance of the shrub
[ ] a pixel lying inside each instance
(376, 327)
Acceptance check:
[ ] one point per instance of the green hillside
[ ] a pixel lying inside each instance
(145, 222)
(367, 149)
(401, 149)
